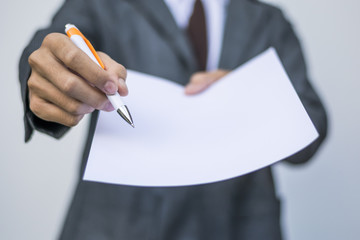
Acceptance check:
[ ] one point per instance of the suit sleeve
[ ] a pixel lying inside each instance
(289, 50)
(77, 12)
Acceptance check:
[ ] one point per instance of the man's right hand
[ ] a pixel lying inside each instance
(65, 84)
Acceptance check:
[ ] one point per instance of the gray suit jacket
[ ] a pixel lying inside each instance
(142, 35)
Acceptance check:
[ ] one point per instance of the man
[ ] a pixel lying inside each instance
(60, 84)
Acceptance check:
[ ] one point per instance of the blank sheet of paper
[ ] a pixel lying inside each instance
(249, 119)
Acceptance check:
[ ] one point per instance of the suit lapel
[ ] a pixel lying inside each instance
(238, 30)
(236, 34)
(159, 16)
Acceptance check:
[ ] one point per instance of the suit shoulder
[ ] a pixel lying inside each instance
(273, 16)
(266, 9)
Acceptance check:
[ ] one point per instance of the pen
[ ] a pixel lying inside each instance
(81, 42)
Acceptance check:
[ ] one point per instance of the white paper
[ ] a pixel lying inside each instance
(250, 119)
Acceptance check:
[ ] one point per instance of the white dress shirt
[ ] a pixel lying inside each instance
(215, 15)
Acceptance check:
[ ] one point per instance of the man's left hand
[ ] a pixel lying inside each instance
(202, 80)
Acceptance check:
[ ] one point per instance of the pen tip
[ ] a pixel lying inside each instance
(126, 116)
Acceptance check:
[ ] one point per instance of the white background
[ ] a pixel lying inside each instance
(320, 199)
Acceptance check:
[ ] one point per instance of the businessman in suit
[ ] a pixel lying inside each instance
(60, 84)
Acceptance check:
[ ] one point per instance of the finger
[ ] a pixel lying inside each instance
(67, 82)
(118, 69)
(198, 83)
(202, 80)
(51, 113)
(75, 59)
(47, 91)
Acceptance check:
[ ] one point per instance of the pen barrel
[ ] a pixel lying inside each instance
(80, 43)
(115, 100)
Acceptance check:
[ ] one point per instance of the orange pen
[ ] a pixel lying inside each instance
(81, 42)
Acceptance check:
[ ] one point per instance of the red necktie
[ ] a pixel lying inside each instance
(197, 34)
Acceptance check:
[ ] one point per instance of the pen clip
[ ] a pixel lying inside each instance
(75, 31)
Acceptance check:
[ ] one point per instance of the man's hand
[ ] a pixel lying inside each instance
(202, 80)
(65, 84)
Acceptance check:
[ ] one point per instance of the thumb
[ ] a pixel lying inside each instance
(199, 82)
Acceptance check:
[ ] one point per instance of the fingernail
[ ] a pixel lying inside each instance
(110, 87)
(109, 107)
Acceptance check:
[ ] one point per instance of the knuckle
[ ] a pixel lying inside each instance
(69, 85)
(35, 107)
(32, 105)
(34, 58)
(72, 121)
(74, 108)
(31, 83)
(50, 39)
(71, 58)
